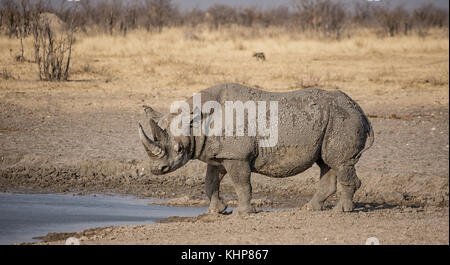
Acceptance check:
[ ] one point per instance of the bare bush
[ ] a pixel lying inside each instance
(428, 16)
(23, 25)
(219, 14)
(129, 19)
(160, 13)
(277, 16)
(17, 15)
(108, 14)
(321, 16)
(394, 21)
(247, 17)
(52, 46)
(10, 17)
(193, 17)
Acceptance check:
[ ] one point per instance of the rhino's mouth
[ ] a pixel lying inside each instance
(157, 172)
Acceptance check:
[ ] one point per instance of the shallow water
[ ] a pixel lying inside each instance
(25, 216)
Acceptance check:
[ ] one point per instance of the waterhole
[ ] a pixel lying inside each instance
(24, 217)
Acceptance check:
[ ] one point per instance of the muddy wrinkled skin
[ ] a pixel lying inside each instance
(314, 126)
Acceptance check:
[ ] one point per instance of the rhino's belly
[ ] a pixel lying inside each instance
(283, 162)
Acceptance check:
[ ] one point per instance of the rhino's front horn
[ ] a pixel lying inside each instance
(150, 146)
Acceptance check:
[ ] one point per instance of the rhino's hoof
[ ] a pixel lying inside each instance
(218, 208)
(344, 206)
(313, 206)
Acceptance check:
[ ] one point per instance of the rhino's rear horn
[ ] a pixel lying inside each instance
(151, 113)
(150, 146)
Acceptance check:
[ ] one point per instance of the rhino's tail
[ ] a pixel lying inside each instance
(370, 135)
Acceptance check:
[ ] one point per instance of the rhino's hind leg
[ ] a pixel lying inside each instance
(212, 184)
(239, 172)
(326, 187)
(349, 183)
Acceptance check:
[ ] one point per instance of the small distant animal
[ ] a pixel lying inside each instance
(259, 56)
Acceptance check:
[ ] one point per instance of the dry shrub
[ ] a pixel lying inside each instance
(321, 16)
(53, 41)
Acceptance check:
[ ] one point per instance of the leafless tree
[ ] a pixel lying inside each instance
(278, 16)
(428, 16)
(247, 17)
(221, 15)
(129, 18)
(159, 13)
(394, 21)
(53, 41)
(193, 17)
(11, 16)
(321, 16)
(23, 25)
(364, 14)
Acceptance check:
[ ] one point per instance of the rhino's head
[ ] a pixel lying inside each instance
(166, 152)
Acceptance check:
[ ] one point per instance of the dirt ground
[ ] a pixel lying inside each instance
(398, 225)
(81, 135)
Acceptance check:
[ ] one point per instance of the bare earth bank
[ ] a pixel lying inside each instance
(399, 225)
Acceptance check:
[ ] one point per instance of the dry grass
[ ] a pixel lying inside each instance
(157, 62)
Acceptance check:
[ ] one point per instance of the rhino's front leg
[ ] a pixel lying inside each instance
(212, 184)
(239, 172)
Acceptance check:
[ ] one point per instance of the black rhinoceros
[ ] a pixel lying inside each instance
(312, 126)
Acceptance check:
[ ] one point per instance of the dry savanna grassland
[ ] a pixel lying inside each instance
(81, 135)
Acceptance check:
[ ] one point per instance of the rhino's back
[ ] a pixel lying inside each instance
(235, 92)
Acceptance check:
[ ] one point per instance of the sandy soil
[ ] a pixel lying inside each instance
(398, 225)
(81, 135)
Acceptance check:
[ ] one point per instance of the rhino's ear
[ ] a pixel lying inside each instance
(152, 114)
(158, 133)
